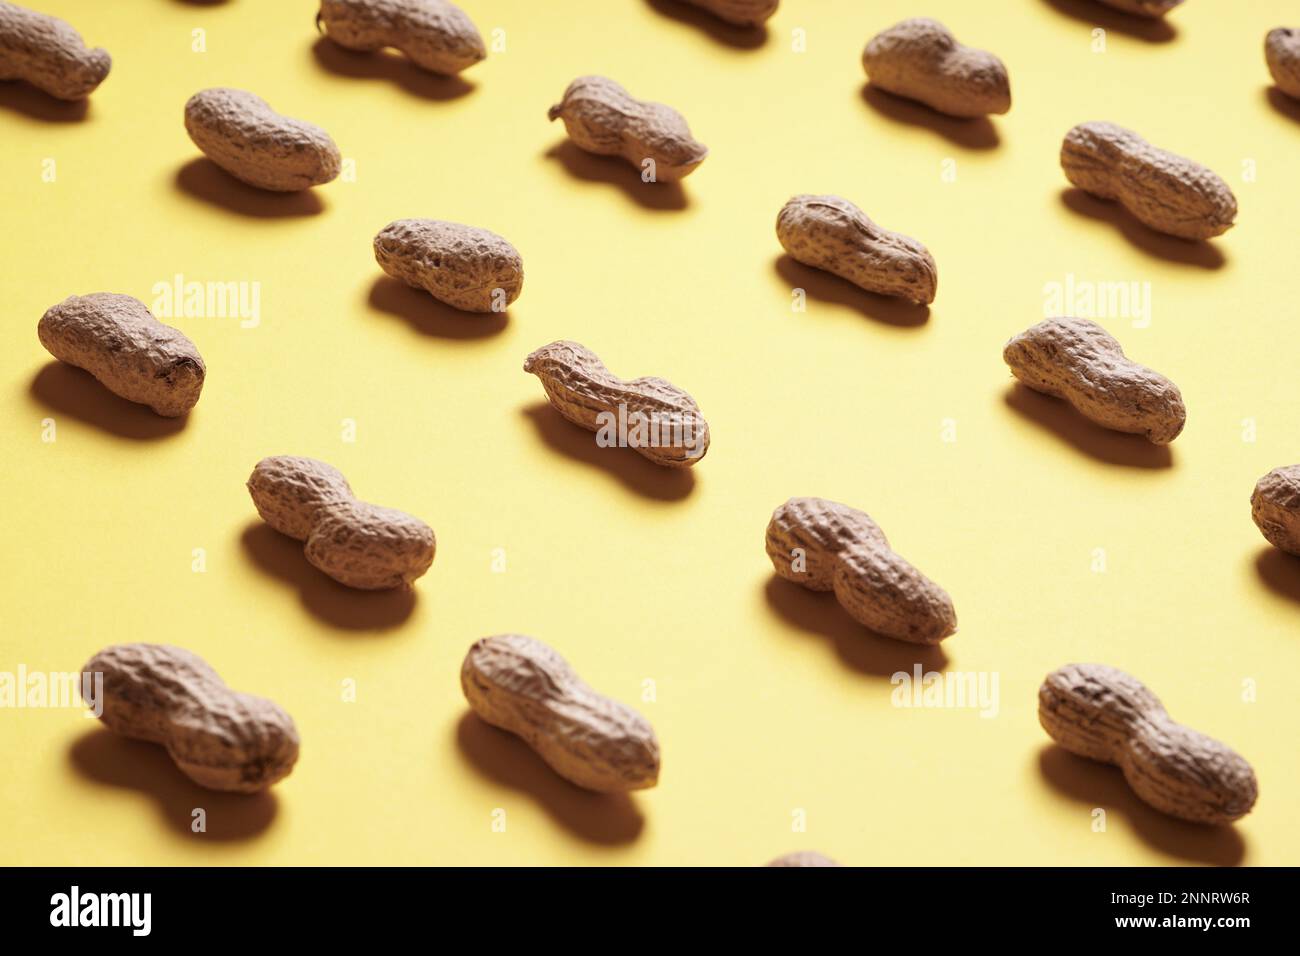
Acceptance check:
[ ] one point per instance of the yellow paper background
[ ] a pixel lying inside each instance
(769, 701)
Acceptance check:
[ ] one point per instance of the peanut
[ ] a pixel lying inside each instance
(519, 684)
(466, 267)
(603, 118)
(1164, 191)
(803, 858)
(49, 54)
(830, 233)
(1152, 9)
(1275, 506)
(1282, 52)
(1104, 714)
(921, 60)
(242, 134)
(358, 544)
(742, 13)
(662, 422)
(437, 36)
(219, 738)
(1079, 361)
(826, 546)
(116, 339)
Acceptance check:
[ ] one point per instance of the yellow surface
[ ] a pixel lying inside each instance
(768, 700)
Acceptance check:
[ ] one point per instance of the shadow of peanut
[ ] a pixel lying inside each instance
(21, 97)
(822, 286)
(859, 649)
(613, 171)
(1280, 572)
(1202, 253)
(389, 66)
(105, 758)
(204, 180)
(340, 607)
(1286, 105)
(632, 470)
(727, 34)
(1110, 447)
(428, 316)
(66, 390)
(976, 132)
(1094, 14)
(1094, 784)
(505, 760)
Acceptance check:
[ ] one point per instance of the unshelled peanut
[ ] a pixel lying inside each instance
(1168, 193)
(219, 738)
(240, 132)
(358, 544)
(1275, 506)
(1282, 53)
(521, 685)
(654, 416)
(116, 339)
(921, 60)
(827, 546)
(803, 858)
(1153, 9)
(830, 233)
(1079, 361)
(742, 13)
(436, 35)
(603, 118)
(1104, 714)
(466, 267)
(49, 54)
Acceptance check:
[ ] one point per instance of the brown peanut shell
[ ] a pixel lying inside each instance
(1282, 53)
(921, 60)
(49, 54)
(830, 233)
(603, 118)
(521, 685)
(1167, 192)
(116, 339)
(436, 35)
(240, 132)
(1079, 361)
(582, 389)
(741, 13)
(1104, 714)
(1152, 9)
(820, 530)
(1275, 508)
(219, 738)
(463, 266)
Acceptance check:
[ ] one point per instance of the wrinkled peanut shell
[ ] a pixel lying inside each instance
(49, 54)
(1282, 53)
(921, 60)
(468, 268)
(1275, 507)
(741, 13)
(436, 35)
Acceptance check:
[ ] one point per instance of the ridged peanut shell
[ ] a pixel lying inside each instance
(1104, 714)
(921, 60)
(521, 685)
(1153, 9)
(288, 492)
(1282, 53)
(830, 233)
(820, 529)
(240, 132)
(1079, 361)
(219, 738)
(603, 118)
(803, 858)
(582, 389)
(1167, 192)
(742, 13)
(883, 592)
(116, 339)
(358, 544)
(1275, 507)
(463, 266)
(49, 54)
(437, 36)
(368, 547)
